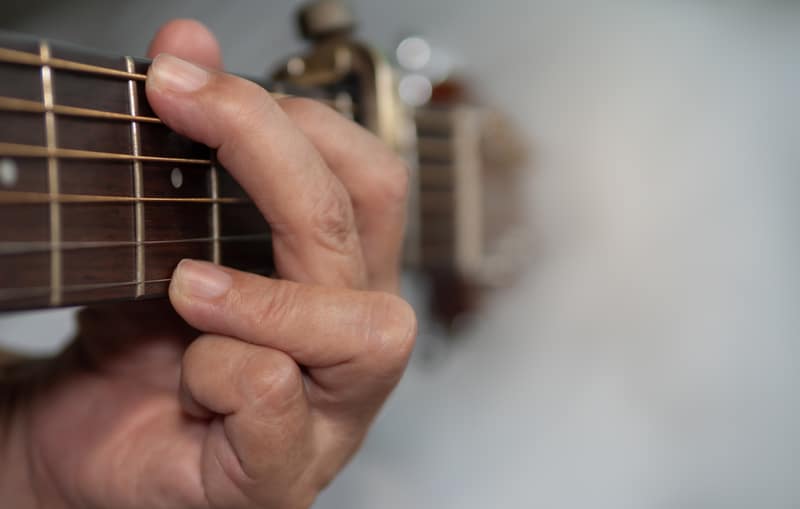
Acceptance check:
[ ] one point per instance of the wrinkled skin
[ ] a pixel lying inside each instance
(245, 391)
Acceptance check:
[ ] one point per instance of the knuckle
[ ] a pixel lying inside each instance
(271, 379)
(271, 307)
(393, 332)
(332, 218)
(390, 182)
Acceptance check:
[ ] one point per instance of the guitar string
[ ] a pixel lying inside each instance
(32, 197)
(11, 56)
(9, 248)
(21, 150)
(27, 106)
(25, 197)
(7, 294)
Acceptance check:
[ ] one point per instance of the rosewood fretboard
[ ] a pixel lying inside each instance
(98, 199)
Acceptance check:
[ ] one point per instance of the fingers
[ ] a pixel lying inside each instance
(314, 232)
(230, 377)
(355, 343)
(374, 176)
(189, 40)
(263, 437)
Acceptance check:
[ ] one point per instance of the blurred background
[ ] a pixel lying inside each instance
(647, 355)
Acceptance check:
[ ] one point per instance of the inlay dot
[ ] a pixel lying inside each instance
(176, 177)
(9, 174)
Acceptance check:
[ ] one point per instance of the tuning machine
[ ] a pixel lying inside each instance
(350, 75)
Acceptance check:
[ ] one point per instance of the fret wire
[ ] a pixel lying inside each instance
(26, 106)
(17, 248)
(21, 197)
(137, 182)
(56, 262)
(216, 252)
(19, 150)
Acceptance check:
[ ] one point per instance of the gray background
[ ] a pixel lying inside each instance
(648, 356)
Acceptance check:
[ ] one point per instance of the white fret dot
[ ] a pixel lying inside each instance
(8, 172)
(176, 177)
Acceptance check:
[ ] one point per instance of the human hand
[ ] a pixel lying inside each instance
(266, 406)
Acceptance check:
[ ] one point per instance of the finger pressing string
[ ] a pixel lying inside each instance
(308, 208)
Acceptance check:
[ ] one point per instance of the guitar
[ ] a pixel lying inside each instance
(102, 200)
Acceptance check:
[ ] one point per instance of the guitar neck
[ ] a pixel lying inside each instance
(99, 200)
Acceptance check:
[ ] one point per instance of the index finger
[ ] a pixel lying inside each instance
(314, 233)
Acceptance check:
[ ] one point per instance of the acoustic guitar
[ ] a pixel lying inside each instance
(99, 200)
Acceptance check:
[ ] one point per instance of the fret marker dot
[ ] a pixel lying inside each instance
(8, 172)
(176, 177)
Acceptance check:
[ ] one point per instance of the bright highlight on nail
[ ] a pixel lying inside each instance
(201, 280)
(171, 73)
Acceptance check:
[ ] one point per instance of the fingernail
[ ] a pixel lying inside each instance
(172, 73)
(201, 280)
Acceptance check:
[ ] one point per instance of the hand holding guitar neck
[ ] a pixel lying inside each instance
(272, 400)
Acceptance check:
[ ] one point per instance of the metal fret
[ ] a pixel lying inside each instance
(216, 254)
(136, 149)
(56, 262)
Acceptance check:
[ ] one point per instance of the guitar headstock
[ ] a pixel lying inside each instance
(356, 79)
(463, 223)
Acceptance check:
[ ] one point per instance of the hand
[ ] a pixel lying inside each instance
(268, 404)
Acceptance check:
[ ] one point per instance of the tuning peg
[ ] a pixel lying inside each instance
(325, 18)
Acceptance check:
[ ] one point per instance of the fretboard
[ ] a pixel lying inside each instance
(98, 199)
